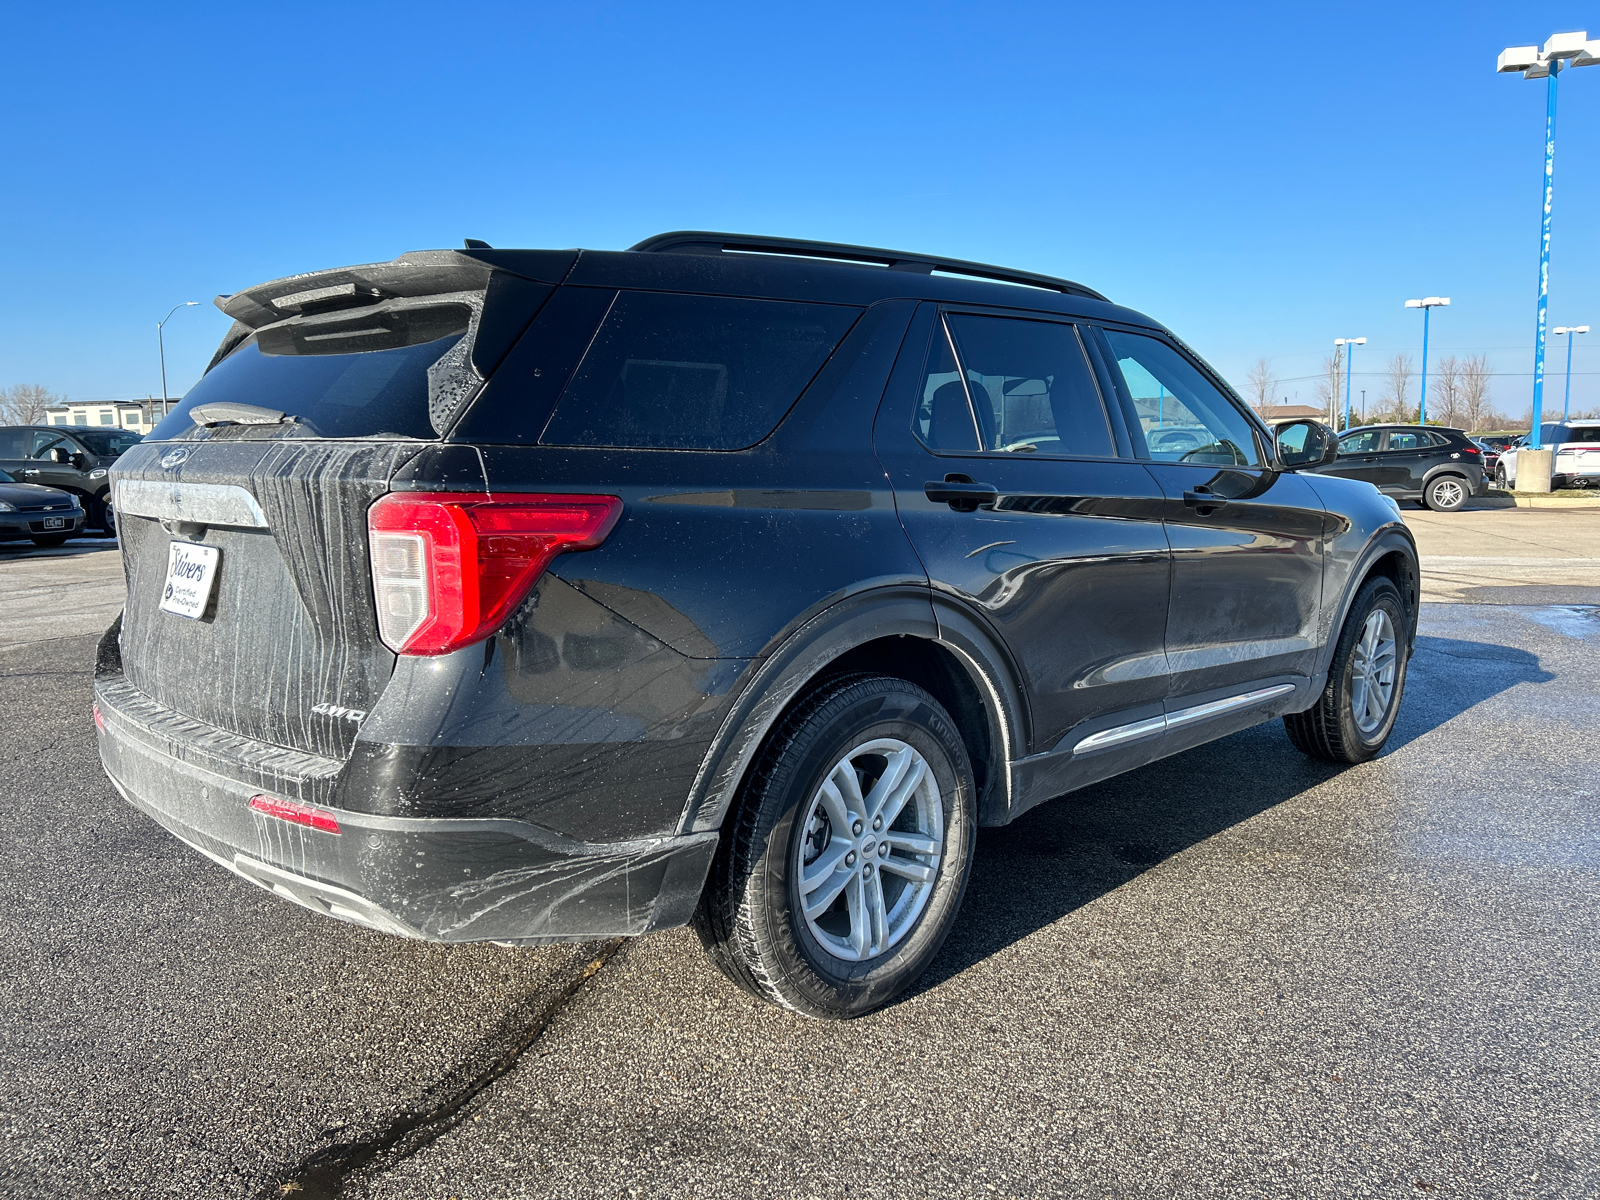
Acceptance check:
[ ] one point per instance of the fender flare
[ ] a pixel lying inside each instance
(1385, 541)
(781, 676)
(1446, 469)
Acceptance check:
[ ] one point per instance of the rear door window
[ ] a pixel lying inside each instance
(1030, 386)
(1407, 440)
(678, 372)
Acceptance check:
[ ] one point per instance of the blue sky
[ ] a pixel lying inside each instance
(1262, 178)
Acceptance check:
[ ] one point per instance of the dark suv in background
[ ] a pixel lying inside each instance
(1439, 468)
(72, 458)
(531, 595)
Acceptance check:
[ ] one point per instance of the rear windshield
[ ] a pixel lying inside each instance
(351, 395)
(1583, 433)
(694, 372)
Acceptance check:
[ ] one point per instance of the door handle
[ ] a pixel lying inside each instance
(1202, 500)
(960, 492)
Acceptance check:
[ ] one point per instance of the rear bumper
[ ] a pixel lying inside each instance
(447, 880)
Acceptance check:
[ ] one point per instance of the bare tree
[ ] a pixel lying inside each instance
(1475, 405)
(25, 403)
(1262, 384)
(1446, 394)
(1396, 397)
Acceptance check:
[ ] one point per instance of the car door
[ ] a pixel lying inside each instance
(69, 475)
(1010, 485)
(1358, 455)
(1404, 460)
(1247, 541)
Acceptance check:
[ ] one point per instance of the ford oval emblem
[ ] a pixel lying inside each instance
(175, 457)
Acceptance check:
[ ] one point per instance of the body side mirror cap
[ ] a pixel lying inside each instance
(1308, 443)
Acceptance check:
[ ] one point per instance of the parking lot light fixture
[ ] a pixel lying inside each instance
(1427, 304)
(1349, 363)
(161, 346)
(1568, 331)
(1546, 62)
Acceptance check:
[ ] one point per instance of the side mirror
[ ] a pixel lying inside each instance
(1304, 444)
(59, 455)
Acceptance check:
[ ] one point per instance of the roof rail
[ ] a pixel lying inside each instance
(699, 242)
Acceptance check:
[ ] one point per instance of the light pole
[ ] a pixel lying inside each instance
(1563, 49)
(1349, 365)
(1427, 304)
(1569, 331)
(161, 345)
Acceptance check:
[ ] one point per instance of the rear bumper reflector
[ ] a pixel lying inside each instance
(296, 813)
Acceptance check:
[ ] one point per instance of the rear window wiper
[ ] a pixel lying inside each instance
(226, 412)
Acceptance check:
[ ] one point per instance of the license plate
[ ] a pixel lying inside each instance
(191, 578)
(55, 522)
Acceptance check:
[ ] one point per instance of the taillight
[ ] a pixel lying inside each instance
(99, 718)
(295, 813)
(1470, 450)
(448, 568)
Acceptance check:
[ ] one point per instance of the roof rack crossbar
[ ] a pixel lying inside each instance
(701, 242)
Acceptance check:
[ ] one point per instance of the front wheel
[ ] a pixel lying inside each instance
(847, 856)
(1446, 493)
(1356, 711)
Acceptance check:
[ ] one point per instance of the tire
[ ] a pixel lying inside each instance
(105, 516)
(852, 954)
(50, 539)
(1446, 493)
(1500, 478)
(1331, 729)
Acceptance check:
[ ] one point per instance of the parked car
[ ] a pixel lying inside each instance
(1438, 468)
(1575, 462)
(73, 458)
(528, 595)
(48, 516)
(1491, 457)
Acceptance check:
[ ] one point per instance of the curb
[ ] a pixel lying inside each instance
(1533, 500)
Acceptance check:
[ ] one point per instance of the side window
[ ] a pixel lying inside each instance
(43, 443)
(1406, 441)
(1183, 416)
(1031, 388)
(15, 443)
(684, 372)
(943, 419)
(1365, 442)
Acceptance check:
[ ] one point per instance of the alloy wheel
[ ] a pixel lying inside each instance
(870, 850)
(1447, 493)
(1373, 662)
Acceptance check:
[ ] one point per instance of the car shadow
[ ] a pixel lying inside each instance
(1066, 853)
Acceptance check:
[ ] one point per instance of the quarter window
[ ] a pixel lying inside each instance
(1407, 441)
(694, 372)
(1182, 416)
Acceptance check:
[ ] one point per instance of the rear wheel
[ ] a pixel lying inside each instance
(1500, 478)
(848, 854)
(1356, 711)
(1446, 493)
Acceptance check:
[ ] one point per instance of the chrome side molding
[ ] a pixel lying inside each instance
(198, 503)
(1134, 731)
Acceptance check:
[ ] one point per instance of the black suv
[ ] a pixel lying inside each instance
(72, 458)
(535, 595)
(1438, 468)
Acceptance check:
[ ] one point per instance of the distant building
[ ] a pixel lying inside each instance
(136, 416)
(1273, 413)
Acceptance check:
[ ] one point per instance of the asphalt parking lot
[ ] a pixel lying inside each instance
(1231, 973)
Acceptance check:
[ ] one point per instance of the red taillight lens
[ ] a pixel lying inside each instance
(99, 718)
(448, 568)
(1470, 450)
(296, 813)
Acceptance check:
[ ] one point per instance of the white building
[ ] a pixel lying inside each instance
(136, 416)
